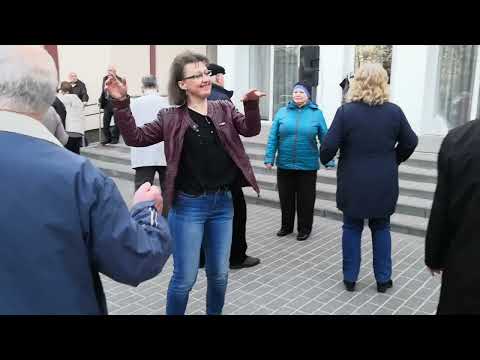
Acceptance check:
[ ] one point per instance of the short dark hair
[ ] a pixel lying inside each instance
(66, 87)
(176, 95)
(149, 82)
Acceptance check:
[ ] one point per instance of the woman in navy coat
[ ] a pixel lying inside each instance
(374, 137)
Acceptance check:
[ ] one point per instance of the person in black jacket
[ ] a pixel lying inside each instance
(374, 137)
(78, 87)
(111, 137)
(60, 109)
(238, 251)
(452, 245)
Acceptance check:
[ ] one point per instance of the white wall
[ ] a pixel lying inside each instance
(133, 63)
(88, 61)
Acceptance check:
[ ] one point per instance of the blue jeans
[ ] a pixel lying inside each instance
(190, 218)
(381, 243)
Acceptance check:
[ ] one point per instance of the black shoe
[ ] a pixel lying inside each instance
(382, 287)
(105, 142)
(302, 236)
(283, 232)
(248, 262)
(115, 141)
(349, 285)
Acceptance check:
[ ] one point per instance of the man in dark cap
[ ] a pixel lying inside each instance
(238, 254)
(218, 83)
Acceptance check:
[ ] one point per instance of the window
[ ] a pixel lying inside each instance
(259, 74)
(285, 74)
(457, 98)
(374, 53)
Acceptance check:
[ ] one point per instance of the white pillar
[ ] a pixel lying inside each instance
(332, 68)
(408, 85)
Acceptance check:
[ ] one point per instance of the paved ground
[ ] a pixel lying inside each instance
(301, 278)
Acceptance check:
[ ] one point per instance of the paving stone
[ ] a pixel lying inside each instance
(299, 278)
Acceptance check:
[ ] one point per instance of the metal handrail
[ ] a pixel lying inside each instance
(100, 112)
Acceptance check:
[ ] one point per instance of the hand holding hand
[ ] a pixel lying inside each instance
(269, 166)
(147, 192)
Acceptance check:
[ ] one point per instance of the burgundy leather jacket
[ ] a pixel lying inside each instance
(171, 125)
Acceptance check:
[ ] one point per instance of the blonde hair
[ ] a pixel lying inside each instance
(370, 85)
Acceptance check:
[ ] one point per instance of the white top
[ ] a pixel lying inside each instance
(144, 110)
(75, 120)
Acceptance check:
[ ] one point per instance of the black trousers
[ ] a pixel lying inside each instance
(73, 144)
(114, 134)
(147, 173)
(297, 191)
(238, 250)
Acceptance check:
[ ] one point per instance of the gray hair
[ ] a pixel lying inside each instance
(28, 79)
(149, 82)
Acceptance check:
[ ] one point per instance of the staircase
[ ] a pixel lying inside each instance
(417, 178)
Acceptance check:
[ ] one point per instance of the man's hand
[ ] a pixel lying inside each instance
(252, 94)
(115, 87)
(147, 192)
(269, 166)
(435, 271)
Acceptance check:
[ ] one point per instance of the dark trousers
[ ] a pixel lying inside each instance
(238, 250)
(296, 189)
(73, 144)
(147, 173)
(114, 134)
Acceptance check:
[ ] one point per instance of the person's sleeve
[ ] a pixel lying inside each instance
(85, 96)
(149, 134)
(272, 144)
(128, 246)
(333, 139)
(249, 124)
(438, 230)
(407, 140)
(60, 132)
(322, 130)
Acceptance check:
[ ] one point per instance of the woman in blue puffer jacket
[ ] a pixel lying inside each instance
(293, 135)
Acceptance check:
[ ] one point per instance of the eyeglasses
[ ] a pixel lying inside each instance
(199, 76)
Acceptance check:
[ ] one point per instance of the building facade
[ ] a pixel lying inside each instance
(437, 86)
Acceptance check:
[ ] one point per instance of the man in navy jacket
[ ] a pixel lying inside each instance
(62, 221)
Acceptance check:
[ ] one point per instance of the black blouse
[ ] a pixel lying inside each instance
(204, 163)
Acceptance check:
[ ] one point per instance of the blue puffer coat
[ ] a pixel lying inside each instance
(294, 135)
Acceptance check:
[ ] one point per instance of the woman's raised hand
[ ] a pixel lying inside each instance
(252, 94)
(115, 88)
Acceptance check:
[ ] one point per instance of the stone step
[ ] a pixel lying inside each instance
(414, 181)
(256, 151)
(405, 172)
(401, 223)
(110, 153)
(406, 204)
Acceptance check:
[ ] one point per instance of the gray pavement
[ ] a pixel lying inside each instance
(300, 278)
